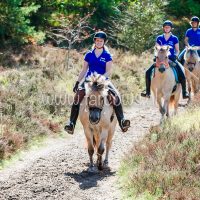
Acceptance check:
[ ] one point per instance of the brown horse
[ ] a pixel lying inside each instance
(98, 119)
(192, 69)
(165, 89)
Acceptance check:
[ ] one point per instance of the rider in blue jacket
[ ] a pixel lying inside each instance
(192, 37)
(167, 38)
(97, 60)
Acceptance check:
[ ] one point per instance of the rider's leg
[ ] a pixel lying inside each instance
(69, 127)
(123, 123)
(148, 74)
(182, 80)
(181, 57)
(198, 51)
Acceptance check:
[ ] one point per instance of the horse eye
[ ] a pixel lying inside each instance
(166, 57)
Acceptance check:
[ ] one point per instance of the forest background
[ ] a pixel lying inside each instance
(130, 24)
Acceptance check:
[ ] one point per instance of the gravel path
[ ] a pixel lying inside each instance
(58, 170)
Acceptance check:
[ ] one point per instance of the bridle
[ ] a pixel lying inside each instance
(191, 63)
(159, 63)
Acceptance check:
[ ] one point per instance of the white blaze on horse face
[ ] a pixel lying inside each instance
(162, 55)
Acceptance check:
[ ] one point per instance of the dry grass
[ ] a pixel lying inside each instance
(36, 90)
(166, 164)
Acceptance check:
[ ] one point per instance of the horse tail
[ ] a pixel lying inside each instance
(172, 101)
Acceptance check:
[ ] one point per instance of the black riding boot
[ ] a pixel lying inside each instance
(123, 123)
(147, 93)
(69, 127)
(182, 80)
(184, 92)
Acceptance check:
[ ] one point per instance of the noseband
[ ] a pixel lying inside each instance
(158, 64)
(191, 63)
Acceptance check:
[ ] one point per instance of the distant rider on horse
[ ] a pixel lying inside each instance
(167, 38)
(192, 37)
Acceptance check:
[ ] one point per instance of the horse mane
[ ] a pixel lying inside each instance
(97, 82)
(162, 48)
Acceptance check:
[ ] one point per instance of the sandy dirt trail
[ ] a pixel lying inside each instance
(59, 170)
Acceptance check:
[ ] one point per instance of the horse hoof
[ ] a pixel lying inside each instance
(105, 165)
(162, 111)
(92, 170)
(100, 167)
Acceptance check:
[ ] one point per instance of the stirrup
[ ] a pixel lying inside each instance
(145, 94)
(186, 95)
(69, 128)
(125, 124)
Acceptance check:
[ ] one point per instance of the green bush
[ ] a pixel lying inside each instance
(139, 25)
(15, 23)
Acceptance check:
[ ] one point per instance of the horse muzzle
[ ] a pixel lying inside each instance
(94, 115)
(191, 69)
(161, 69)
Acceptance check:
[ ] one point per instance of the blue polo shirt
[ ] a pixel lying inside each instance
(97, 64)
(193, 37)
(171, 42)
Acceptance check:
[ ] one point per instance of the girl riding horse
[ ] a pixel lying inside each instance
(167, 38)
(192, 37)
(97, 60)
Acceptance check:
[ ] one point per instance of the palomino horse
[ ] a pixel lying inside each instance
(192, 69)
(98, 119)
(164, 84)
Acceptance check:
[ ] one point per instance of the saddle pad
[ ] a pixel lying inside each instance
(175, 74)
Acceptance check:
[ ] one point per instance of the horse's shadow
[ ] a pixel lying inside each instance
(88, 180)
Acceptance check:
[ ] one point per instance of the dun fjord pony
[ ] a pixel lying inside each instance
(166, 90)
(98, 119)
(192, 69)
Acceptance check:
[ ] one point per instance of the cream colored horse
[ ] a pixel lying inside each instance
(192, 69)
(166, 90)
(98, 119)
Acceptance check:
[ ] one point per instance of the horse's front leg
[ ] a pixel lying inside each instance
(189, 89)
(101, 148)
(108, 146)
(89, 137)
(166, 106)
(99, 156)
(195, 85)
(161, 108)
(167, 101)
